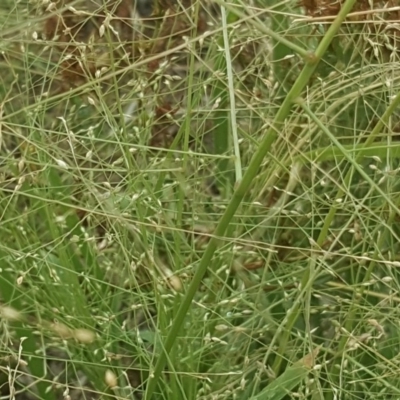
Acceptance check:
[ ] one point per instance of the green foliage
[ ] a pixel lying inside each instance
(194, 230)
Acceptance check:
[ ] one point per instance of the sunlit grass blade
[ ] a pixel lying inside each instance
(288, 380)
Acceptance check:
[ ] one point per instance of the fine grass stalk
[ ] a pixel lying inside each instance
(242, 189)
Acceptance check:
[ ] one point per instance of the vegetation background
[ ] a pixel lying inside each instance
(199, 200)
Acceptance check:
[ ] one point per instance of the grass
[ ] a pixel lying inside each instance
(224, 226)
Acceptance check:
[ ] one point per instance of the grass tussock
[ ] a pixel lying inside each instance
(199, 199)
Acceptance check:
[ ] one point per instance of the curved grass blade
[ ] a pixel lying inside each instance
(291, 378)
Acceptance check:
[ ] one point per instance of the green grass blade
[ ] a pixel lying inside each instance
(288, 380)
(241, 191)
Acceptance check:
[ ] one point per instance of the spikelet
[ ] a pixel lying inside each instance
(82, 33)
(363, 9)
(372, 12)
(79, 34)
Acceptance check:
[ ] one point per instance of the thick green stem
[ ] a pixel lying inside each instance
(241, 190)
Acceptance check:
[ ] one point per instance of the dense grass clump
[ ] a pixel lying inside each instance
(199, 199)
